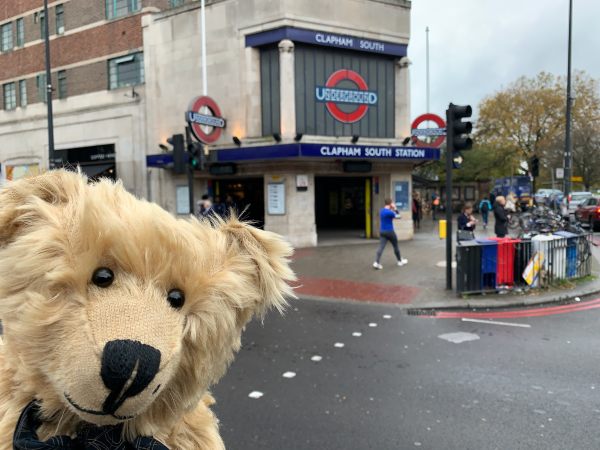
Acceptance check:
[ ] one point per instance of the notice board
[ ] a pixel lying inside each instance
(401, 195)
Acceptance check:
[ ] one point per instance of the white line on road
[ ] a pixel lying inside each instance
(493, 322)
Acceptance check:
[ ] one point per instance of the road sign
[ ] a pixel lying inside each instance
(577, 179)
(440, 131)
(560, 173)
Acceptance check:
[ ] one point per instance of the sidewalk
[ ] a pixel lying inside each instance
(345, 271)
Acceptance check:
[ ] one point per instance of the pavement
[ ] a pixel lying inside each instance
(355, 376)
(341, 269)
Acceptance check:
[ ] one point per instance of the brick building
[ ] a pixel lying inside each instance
(316, 102)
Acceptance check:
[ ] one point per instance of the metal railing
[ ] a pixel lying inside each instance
(510, 264)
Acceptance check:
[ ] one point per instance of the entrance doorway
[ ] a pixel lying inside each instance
(247, 195)
(341, 205)
(96, 162)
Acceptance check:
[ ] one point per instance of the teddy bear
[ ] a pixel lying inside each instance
(118, 317)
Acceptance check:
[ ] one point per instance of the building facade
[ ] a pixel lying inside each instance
(314, 97)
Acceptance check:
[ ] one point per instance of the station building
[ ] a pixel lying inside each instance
(314, 97)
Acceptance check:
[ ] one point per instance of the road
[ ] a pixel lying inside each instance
(523, 383)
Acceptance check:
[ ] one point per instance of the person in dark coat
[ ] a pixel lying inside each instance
(501, 226)
(466, 221)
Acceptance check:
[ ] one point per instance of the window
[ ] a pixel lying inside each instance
(175, 3)
(41, 87)
(60, 19)
(6, 37)
(10, 96)
(126, 71)
(40, 18)
(20, 33)
(62, 84)
(23, 93)
(469, 193)
(120, 8)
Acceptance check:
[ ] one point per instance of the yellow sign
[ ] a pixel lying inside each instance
(577, 179)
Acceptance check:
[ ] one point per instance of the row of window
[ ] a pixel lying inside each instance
(7, 43)
(123, 71)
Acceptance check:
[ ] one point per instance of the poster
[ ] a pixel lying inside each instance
(401, 195)
(183, 200)
(276, 199)
(17, 171)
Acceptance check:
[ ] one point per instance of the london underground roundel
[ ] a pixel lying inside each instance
(439, 133)
(346, 96)
(204, 119)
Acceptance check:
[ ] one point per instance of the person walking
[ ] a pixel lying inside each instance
(485, 207)
(386, 233)
(501, 225)
(417, 211)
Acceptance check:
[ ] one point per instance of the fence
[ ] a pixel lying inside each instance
(490, 265)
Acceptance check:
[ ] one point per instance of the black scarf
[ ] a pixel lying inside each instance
(89, 437)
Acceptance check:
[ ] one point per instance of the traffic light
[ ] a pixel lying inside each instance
(534, 166)
(179, 154)
(457, 131)
(196, 156)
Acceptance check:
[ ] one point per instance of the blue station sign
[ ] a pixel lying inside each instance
(326, 40)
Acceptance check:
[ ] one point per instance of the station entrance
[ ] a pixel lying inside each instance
(246, 195)
(342, 206)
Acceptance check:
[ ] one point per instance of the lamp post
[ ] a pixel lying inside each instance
(568, 143)
(51, 152)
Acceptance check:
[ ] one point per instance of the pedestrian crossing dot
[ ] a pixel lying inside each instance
(338, 344)
(316, 358)
(357, 334)
(372, 324)
(289, 375)
(387, 316)
(255, 394)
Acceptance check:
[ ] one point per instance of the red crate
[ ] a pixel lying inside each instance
(505, 269)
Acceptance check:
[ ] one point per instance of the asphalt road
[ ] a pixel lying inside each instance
(400, 386)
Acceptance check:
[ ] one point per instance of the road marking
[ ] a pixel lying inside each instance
(255, 394)
(357, 334)
(372, 324)
(338, 344)
(289, 375)
(387, 316)
(316, 358)
(494, 322)
(458, 338)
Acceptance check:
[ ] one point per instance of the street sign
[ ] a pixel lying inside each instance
(204, 114)
(417, 132)
(577, 179)
(560, 173)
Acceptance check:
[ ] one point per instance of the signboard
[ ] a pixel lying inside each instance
(325, 39)
(204, 118)
(360, 97)
(183, 200)
(328, 151)
(577, 179)
(401, 195)
(276, 199)
(93, 154)
(560, 173)
(417, 132)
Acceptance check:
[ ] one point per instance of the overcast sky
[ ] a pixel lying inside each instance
(476, 47)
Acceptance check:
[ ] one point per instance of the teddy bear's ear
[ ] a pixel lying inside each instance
(21, 200)
(270, 254)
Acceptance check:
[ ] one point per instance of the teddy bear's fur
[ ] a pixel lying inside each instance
(55, 231)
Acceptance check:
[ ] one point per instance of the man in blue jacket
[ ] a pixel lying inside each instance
(386, 233)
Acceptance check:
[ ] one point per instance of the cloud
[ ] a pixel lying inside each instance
(478, 47)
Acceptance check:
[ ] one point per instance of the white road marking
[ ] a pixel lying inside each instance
(289, 375)
(338, 344)
(255, 394)
(387, 316)
(357, 334)
(372, 324)
(458, 338)
(316, 358)
(493, 322)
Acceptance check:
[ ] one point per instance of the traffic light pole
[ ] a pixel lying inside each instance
(448, 202)
(48, 87)
(190, 169)
(568, 144)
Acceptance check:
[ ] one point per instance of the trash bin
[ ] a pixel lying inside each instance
(571, 252)
(489, 263)
(468, 267)
(505, 271)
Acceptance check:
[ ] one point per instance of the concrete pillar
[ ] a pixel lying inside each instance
(287, 95)
(403, 119)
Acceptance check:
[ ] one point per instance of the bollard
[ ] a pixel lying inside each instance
(442, 229)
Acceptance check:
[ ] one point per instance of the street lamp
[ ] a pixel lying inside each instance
(51, 152)
(568, 143)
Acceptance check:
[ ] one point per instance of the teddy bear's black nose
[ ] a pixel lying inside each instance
(128, 367)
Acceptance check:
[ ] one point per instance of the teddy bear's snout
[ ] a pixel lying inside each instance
(128, 368)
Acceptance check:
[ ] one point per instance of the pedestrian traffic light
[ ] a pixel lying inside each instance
(179, 154)
(534, 166)
(456, 129)
(196, 156)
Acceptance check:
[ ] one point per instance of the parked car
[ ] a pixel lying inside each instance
(588, 212)
(577, 198)
(542, 196)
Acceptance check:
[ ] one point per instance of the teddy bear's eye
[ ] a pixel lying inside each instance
(103, 277)
(176, 298)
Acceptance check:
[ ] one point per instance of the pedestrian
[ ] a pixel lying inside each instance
(417, 210)
(386, 233)
(501, 225)
(230, 205)
(485, 207)
(205, 207)
(435, 204)
(219, 207)
(466, 221)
